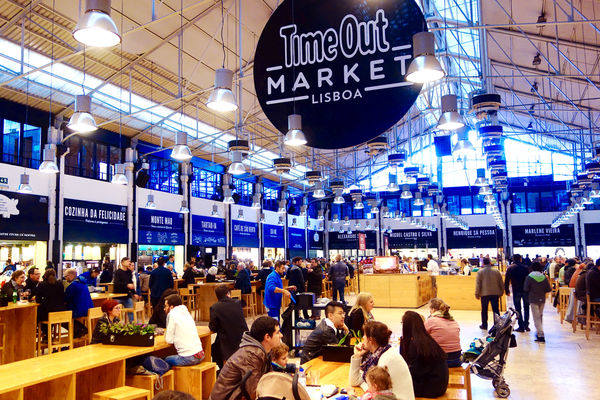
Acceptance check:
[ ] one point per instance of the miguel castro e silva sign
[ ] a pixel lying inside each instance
(340, 64)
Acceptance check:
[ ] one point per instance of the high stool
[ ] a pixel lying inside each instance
(123, 393)
(250, 309)
(460, 377)
(2, 342)
(563, 301)
(148, 382)
(56, 338)
(197, 380)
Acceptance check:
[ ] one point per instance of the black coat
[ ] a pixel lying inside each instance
(51, 298)
(430, 377)
(227, 320)
(188, 277)
(356, 320)
(315, 281)
(321, 336)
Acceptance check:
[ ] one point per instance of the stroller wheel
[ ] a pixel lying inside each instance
(496, 382)
(503, 391)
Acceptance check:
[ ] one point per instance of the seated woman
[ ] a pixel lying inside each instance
(375, 350)
(159, 316)
(211, 276)
(188, 275)
(426, 359)
(361, 313)
(16, 284)
(50, 295)
(112, 311)
(444, 330)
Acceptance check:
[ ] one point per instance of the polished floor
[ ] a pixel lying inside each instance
(565, 367)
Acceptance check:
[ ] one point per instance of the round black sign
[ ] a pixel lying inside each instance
(341, 65)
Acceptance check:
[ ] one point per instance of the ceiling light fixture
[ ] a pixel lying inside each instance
(450, 120)
(24, 186)
(221, 98)
(294, 136)
(150, 202)
(227, 197)
(424, 67)
(480, 181)
(236, 167)
(82, 121)
(181, 151)
(418, 199)
(119, 176)
(537, 59)
(184, 207)
(96, 28)
(318, 193)
(215, 211)
(463, 147)
(406, 193)
(49, 165)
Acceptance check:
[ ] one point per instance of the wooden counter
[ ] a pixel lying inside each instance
(75, 374)
(207, 297)
(459, 292)
(98, 298)
(331, 373)
(21, 323)
(398, 290)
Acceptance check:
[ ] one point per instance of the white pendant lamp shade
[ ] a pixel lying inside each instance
(184, 207)
(82, 121)
(181, 151)
(418, 199)
(424, 67)
(485, 190)
(119, 176)
(49, 165)
(463, 147)
(221, 99)
(480, 181)
(393, 187)
(359, 205)
(150, 202)
(227, 197)
(24, 186)
(294, 135)
(406, 193)
(450, 120)
(338, 199)
(215, 211)
(256, 201)
(95, 27)
(236, 167)
(318, 193)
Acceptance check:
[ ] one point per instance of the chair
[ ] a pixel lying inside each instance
(137, 310)
(2, 342)
(186, 297)
(563, 301)
(148, 382)
(236, 294)
(94, 314)
(249, 299)
(460, 377)
(56, 337)
(123, 393)
(591, 319)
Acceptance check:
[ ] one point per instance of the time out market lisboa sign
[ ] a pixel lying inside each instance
(340, 64)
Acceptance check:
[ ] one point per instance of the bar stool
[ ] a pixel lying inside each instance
(123, 393)
(137, 310)
(236, 294)
(563, 302)
(2, 342)
(54, 324)
(250, 308)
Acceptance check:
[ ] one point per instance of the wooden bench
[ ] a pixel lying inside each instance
(197, 380)
(460, 378)
(451, 394)
(123, 393)
(148, 382)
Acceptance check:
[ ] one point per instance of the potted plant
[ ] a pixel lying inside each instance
(340, 352)
(128, 334)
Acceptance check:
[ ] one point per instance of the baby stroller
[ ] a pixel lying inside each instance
(492, 360)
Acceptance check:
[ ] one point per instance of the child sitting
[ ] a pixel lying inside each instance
(279, 359)
(379, 385)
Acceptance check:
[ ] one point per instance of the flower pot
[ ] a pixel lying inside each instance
(130, 340)
(338, 353)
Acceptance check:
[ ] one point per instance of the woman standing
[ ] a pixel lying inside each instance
(425, 358)
(444, 330)
(361, 312)
(314, 277)
(375, 350)
(112, 311)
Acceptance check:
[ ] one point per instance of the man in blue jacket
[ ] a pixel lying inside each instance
(89, 277)
(274, 290)
(77, 295)
(161, 279)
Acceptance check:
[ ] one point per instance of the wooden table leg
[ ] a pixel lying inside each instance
(21, 322)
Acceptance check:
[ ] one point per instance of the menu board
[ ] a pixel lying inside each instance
(474, 238)
(413, 238)
(543, 236)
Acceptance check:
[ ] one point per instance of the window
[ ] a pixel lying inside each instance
(101, 165)
(205, 184)
(466, 205)
(453, 205)
(10, 142)
(533, 202)
(519, 202)
(244, 190)
(164, 175)
(478, 205)
(31, 146)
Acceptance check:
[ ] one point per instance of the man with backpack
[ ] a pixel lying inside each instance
(241, 373)
(182, 333)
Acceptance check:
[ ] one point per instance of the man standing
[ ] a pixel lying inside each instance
(274, 289)
(160, 280)
(265, 271)
(432, 266)
(488, 288)
(337, 275)
(182, 333)
(252, 357)
(330, 331)
(242, 280)
(227, 320)
(592, 282)
(77, 295)
(123, 283)
(32, 281)
(295, 276)
(515, 275)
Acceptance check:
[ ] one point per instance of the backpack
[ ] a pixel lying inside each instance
(156, 365)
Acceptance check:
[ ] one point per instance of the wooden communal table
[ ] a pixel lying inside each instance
(76, 374)
(331, 373)
(205, 293)
(98, 298)
(21, 323)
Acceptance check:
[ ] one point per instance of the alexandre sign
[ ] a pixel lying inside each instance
(328, 58)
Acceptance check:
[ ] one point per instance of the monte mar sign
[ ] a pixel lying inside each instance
(341, 65)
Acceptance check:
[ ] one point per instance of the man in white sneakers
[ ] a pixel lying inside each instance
(182, 333)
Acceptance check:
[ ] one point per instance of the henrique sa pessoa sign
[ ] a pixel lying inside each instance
(340, 64)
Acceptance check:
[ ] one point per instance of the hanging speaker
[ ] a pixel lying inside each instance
(142, 178)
